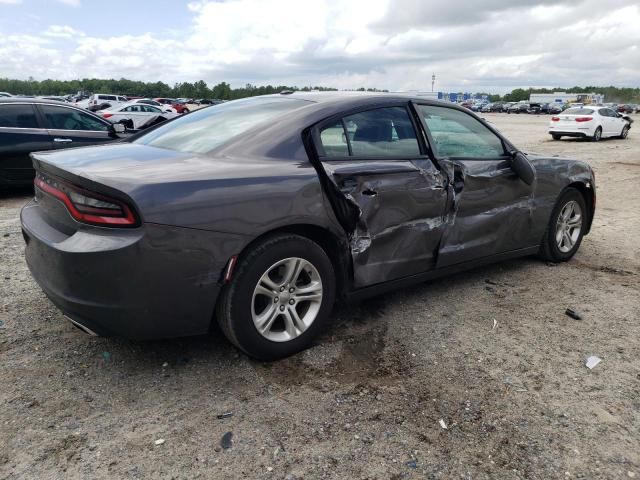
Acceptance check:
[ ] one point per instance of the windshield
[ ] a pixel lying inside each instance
(203, 130)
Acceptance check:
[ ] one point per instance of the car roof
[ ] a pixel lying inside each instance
(32, 100)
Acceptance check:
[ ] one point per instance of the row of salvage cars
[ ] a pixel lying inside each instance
(260, 213)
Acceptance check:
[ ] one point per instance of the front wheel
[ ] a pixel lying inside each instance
(555, 136)
(279, 298)
(566, 227)
(625, 132)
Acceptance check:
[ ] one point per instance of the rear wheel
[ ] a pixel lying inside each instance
(597, 135)
(555, 136)
(279, 298)
(566, 227)
(625, 132)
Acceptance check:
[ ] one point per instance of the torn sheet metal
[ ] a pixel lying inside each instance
(402, 206)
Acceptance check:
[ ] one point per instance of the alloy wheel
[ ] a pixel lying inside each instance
(287, 299)
(568, 226)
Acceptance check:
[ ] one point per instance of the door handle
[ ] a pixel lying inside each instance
(369, 192)
(62, 140)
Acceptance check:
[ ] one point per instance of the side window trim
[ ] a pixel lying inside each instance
(346, 136)
(315, 133)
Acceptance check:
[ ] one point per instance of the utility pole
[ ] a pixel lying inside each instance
(433, 81)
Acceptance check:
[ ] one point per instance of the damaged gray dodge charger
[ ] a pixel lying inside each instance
(260, 213)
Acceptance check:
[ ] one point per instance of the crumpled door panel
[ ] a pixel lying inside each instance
(490, 211)
(401, 215)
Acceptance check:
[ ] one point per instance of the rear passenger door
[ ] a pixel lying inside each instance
(20, 134)
(70, 127)
(377, 163)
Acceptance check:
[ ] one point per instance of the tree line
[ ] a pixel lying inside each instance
(223, 90)
(199, 89)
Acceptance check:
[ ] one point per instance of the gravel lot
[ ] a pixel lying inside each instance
(368, 401)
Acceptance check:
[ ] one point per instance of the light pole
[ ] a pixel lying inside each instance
(433, 81)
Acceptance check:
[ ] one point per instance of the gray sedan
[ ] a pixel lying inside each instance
(260, 213)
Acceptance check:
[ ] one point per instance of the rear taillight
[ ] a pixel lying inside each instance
(555, 119)
(107, 115)
(86, 206)
(584, 119)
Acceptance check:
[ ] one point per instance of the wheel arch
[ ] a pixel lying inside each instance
(337, 250)
(589, 199)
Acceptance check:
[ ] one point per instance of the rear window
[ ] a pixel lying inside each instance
(18, 116)
(578, 111)
(203, 130)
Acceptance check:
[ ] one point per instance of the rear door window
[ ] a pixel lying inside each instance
(382, 132)
(18, 116)
(61, 118)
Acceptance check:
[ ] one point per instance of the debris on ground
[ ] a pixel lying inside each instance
(1, 323)
(412, 464)
(224, 415)
(165, 365)
(442, 423)
(160, 441)
(592, 361)
(495, 324)
(573, 314)
(227, 440)
(106, 356)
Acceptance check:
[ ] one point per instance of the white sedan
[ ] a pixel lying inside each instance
(135, 114)
(589, 122)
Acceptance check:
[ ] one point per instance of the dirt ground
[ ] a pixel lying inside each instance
(371, 399)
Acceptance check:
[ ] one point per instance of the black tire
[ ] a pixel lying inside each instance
(234, 308)
(624, 133)
(555, 136)
(549, 249)
(597, 135)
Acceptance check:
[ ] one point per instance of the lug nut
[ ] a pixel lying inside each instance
(282, 289)
(276, 299)
(292, 301)
(291, 290)
(282, 308)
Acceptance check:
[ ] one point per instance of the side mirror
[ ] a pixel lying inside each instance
(521, 165)
(118, 128)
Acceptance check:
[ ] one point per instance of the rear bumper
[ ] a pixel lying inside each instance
(151, 282)
(569, 134)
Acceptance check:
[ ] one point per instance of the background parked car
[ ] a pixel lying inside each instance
(519, 108)
(100, 101)
(625, 108)
(154, 103)
(173, 103)
(28, 125)
(589, 122)
(136, 115)
(5, 94)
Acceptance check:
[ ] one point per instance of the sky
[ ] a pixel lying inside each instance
(491, 45)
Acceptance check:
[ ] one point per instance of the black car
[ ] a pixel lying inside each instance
(259, 213)
(28, 125)
(519, 108)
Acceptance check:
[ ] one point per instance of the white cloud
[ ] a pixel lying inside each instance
(63, 31)
(394, 44)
